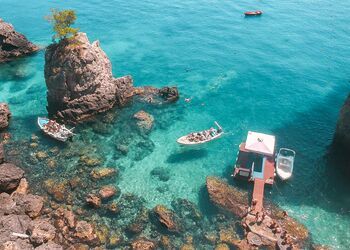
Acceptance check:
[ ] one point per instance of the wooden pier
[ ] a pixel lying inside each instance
(259, 184)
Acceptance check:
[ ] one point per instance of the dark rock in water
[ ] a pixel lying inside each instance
(170, 94)
(10, 176)
(2, 153)
(138, 225)
(143, 244)
(93, 200)
(227, 197)
(85, 232)
(13, 44)
(161, 173)
(167, 218)
(41, 231)
(79, 80)
(5, 114)
(342, 133)
(107, 192)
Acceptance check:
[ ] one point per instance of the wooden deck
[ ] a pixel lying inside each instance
(259, 184)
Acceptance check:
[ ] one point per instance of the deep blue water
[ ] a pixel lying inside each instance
(286, 73)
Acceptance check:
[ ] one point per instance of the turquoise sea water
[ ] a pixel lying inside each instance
(286, 73)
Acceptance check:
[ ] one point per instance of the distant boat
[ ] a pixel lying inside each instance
(201, 137)
(54, 129)
(253, 13)
(284, 163)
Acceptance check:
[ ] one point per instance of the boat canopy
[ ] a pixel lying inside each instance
(260, 143)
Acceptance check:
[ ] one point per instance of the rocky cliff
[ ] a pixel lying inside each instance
(80, 83)
(13, 44)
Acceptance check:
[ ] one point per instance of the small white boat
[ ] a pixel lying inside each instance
(54, 129)
(284, 163)
(201, 137)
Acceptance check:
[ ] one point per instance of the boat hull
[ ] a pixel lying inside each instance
(42, 121)
(183, 140)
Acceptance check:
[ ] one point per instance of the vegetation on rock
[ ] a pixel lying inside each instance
(62, 22)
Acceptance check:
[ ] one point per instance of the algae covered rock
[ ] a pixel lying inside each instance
(102, 173)
(144, 120)
(167, 218)
(143, 244)
(93, 200)
(85, 232)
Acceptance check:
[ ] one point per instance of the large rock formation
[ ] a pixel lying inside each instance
(79, 80)
(13, 44)
(80, 83)
(5, 115)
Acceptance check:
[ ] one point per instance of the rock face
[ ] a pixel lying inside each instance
(79, 80)
(13, 44)
(10, 176)
(5, 114)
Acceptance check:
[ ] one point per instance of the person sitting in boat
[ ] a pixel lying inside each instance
(212, 131)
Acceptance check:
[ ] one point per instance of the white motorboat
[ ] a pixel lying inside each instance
(54, 129)
(201, 137)
(284, 163)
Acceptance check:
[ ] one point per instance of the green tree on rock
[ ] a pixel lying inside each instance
(62, 22)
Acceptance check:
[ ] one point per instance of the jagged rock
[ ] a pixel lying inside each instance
(17, 244)
(101, 173)
(144, 121)
(29, 204)
(79, 80)
(169, 94)
(2, 153)
(107, 192)
(157, 96)
(8, 205)
(23, 187)
(167, 218)
(85, 232)
(41, 231)
(13, 44)
(49, 246)
(10, 176)
(227, 197)
(143, 244)
(12, 223)
(5, 113)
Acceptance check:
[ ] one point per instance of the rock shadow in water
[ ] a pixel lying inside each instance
(187, 155)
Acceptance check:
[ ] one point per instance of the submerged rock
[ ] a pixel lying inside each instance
(144, 121)
(79, 80)
(85, 232)
(10, 176)
(161, 173)
(93, 200)
(167, 218)
(102, 173)
(107, 192)
(5, 113)
(13, 44)
(143, 244)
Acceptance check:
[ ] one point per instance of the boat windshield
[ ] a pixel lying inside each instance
(287, 152)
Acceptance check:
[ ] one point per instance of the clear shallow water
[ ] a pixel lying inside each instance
(286, 72)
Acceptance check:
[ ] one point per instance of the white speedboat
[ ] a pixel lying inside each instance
(201, 137)
(54, 129)
(284, 163)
